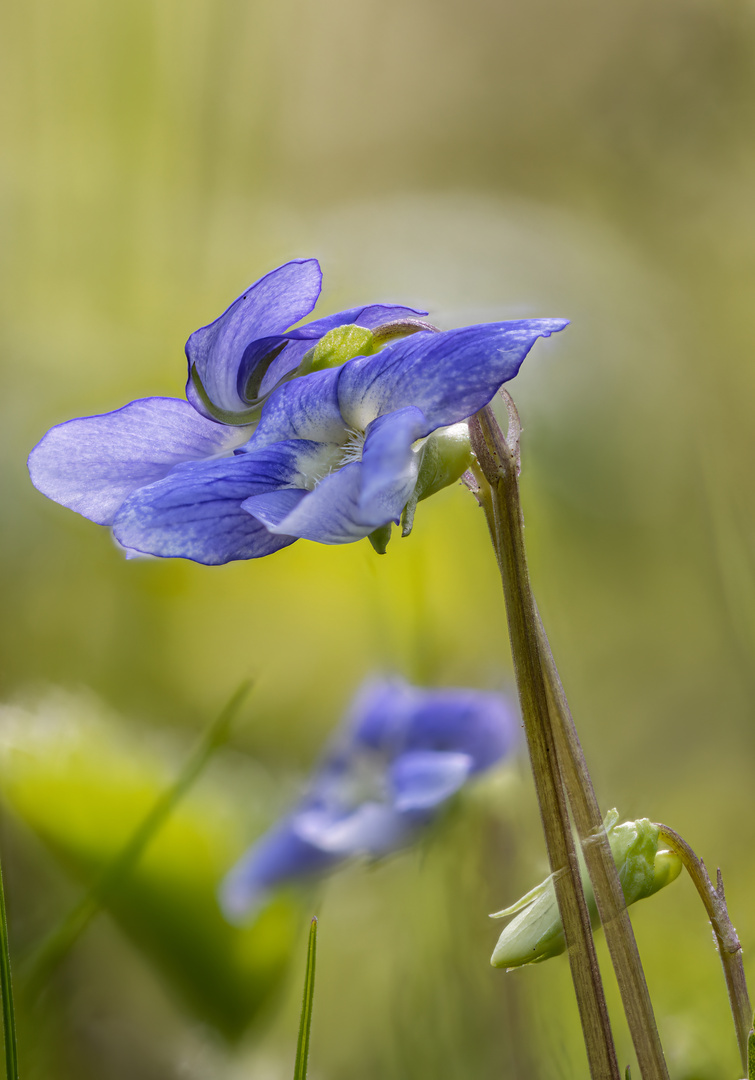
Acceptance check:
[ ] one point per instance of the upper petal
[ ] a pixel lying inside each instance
(305, 408)
(448, 375)
(380, 713)
(196, 512)
(483, 725)
(92, 464)
(394, 718)
(267, 307)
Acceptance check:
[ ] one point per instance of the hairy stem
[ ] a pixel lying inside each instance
(499, 495)
(589, 822)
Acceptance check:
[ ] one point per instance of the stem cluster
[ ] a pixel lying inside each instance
(562, 780)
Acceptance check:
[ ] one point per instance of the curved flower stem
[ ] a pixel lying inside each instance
(499, 496)
(6, 987)
(729, 948)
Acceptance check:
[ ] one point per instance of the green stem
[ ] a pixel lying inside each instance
(6, 985)
(729, 948)
(605, 880)
(500, 497)
(62, 939)
(308, 997)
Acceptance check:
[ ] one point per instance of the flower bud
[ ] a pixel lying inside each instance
(537, 934)
(340, 344)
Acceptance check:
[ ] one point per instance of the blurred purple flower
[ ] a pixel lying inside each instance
(402, 753)
(252, 461)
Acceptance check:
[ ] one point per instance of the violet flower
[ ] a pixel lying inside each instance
(402, 753)
(268, 449)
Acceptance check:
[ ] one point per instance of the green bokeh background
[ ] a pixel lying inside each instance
(487, 161)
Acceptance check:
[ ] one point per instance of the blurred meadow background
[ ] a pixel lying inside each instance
(486, 161)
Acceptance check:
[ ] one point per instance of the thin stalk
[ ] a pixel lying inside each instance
(729, 948)
(308, 998)
(6, 985)
(605, 880)
(499, 495)
(64, 936)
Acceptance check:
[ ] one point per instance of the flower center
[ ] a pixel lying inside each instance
(352, 449)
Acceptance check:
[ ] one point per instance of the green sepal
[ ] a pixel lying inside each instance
(446, 455)
(380, 538)
(536, 933)
(241, 417)
(340, 344)
(225, 416)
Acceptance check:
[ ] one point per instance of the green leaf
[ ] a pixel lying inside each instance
(84, 784)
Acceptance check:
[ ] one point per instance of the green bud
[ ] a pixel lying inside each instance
(536, 933)
(340, 344)
(446, 454)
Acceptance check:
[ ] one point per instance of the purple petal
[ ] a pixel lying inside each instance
(380, 714)
(389, 464)
(304, 337)
(483, 725)
(449, 375)
(196, 512)
(422, 779)
(372, 829)
(272, 507)
(91, 465)
(280, 856)
(305, 408)
(395, 718)
(267, 307)
(332, 513)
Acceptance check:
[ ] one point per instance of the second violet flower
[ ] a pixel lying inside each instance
(402, 753)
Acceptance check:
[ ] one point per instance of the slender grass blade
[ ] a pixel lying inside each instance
(9, 1015)
(305, 1024)
(64, 936)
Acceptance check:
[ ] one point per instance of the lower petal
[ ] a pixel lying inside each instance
(372, 829)
(196, 512)
(93, 464)
(331, 513)
(422, 780)
(279, 857)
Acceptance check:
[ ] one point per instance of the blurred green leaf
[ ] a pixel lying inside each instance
(83, 787)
